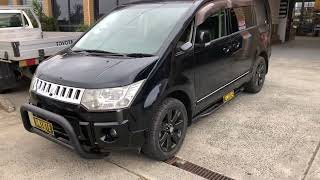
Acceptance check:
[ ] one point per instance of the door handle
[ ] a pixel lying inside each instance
(236, 45)
(226, 49)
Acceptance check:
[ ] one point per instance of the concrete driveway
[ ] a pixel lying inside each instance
(271, 135)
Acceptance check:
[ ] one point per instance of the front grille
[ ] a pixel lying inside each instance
(58, 92)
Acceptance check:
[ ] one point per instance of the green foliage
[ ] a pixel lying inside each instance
(82, 28)
(37, 8)
(47, 23)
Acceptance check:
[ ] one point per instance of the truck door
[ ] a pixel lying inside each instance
(213, 58)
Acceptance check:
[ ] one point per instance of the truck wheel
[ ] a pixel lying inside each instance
(167, 130)
(258, 76)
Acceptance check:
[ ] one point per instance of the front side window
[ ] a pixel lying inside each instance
(242, 18)
(8, 20)
(215, 25)
(134, 29)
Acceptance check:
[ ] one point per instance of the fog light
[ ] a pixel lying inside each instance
(113, 133)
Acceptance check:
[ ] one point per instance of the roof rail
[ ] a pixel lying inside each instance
(14, 7)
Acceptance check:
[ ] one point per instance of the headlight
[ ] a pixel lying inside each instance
(32, 88)
(111, 98)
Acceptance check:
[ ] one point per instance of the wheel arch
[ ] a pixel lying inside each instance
(265, 56)
(185, 99)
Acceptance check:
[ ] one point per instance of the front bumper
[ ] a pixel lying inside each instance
(90, 139)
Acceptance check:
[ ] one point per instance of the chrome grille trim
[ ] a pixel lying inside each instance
(58, 92)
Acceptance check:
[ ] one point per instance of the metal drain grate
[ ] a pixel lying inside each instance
(195, 169)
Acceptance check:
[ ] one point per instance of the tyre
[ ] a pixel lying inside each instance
(8, 78)
(258, 76)
(167, 130)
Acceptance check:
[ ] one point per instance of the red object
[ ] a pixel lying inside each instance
(31, 62)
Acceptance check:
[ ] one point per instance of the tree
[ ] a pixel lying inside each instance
(47, 23)
(37, 8)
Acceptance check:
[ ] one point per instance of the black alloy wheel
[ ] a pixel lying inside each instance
(171, 130)
(258, 76)
(167, 130)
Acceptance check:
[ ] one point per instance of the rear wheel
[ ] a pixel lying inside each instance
(258, 76)
(167, 130)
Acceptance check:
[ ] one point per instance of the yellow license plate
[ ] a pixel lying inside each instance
(41, 124)
(228, 96)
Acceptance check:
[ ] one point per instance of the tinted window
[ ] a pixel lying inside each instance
(11, 20)
(241, 18)
(215, 24)
(134, 29)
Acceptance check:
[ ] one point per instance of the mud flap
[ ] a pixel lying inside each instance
(8, 78)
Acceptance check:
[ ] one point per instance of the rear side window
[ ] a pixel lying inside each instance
(241, 18)
(261, 12)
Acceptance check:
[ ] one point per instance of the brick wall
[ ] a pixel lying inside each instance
(3, 2)
(47, 7)
(88, 12)
(17, 2)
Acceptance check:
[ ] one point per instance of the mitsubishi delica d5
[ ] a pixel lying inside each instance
(140, 76)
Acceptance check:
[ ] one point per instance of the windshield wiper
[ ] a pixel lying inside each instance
(139, 55)
(98, 52)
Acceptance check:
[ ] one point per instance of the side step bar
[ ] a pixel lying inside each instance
(213, 108)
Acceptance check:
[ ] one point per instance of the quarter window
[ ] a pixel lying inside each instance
(186, 36)
(241, 18)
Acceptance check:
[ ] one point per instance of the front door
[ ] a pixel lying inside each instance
(213, 60)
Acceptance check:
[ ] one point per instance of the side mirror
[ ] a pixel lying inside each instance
(186, 46)
(203, 37)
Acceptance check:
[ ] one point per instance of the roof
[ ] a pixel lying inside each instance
(229, 3)
(9, 11)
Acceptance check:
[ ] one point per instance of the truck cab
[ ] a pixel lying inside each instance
(13, 19)
(18, 24)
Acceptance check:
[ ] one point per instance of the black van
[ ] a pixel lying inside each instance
(146, 71)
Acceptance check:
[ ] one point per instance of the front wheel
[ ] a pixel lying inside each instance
(167, 130)
(258, 76)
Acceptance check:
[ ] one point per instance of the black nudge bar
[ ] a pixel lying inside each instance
(74, 142)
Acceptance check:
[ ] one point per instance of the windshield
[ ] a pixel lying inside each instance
(8, 20)
(135, 29)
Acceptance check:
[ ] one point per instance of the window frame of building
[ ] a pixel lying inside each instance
(73, 16)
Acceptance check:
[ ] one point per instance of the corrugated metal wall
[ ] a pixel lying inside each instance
(29, 2)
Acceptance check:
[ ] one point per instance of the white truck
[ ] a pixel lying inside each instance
(23, 44)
